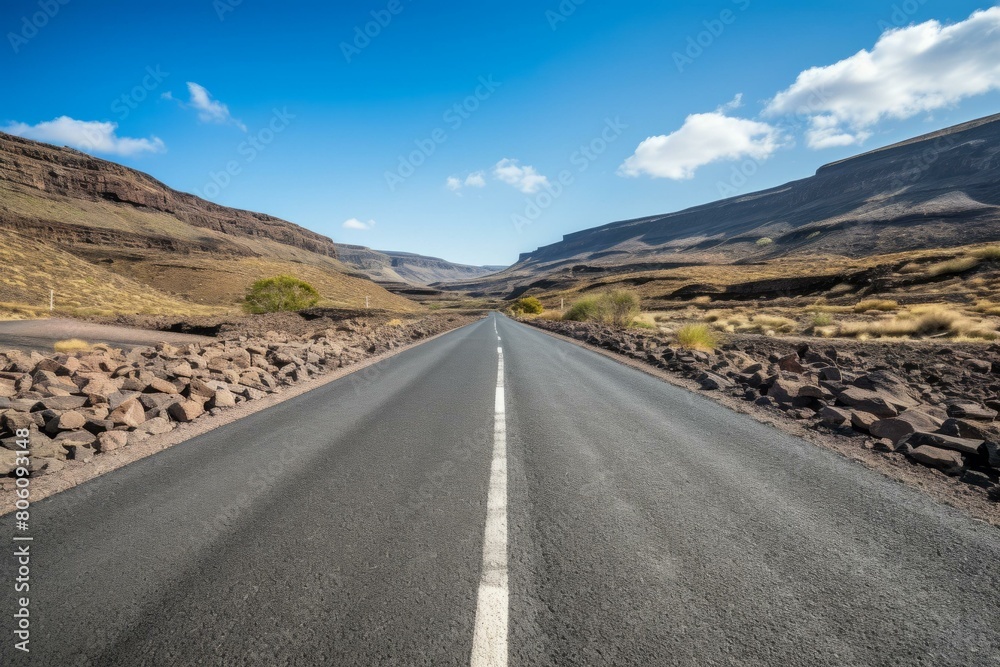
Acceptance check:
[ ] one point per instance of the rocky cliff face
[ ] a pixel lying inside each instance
(46, 171)
(937, 190)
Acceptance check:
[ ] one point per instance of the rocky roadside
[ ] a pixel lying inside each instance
(78, 406)
(928, 407)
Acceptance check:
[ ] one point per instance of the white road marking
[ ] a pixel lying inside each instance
(489, 642)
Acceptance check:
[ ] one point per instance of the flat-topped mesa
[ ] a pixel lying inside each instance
(942, 187)
(70, 173)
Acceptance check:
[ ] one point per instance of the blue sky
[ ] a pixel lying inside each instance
(477, 131)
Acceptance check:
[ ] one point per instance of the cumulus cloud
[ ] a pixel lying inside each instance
(704, 138)
(526, 178)
(474, 180)
(87, 135)
(909, 71)
(360, 225)
(210, 110)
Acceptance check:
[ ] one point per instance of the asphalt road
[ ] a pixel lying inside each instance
(641, 525)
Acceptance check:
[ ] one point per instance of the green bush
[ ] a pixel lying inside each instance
(281, 293)
(617, 307)
(528, 305)
(764, 242)
(584, 310)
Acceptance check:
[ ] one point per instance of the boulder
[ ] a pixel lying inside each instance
(8, 388)
(946, 460)
(991, 451)
(876, 403)
(185, 411)
(979, 365)
(785, 390)
(62, 403)
(223, 399)
(834, 416)
(67, 421)
(862, 420)
(812, 391)
(111, 440)
(907, 422)
(831, 374)
(971, 411)
(8, 461)
(160, 386)
(182, 369)
(791, 364)
(712, 381)
(156, 426)
(942, 441)
(130, 413)
(962, 429)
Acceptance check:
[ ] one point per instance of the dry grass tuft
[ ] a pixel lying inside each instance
(72, 345)
(883, 305)
(697, 337)
(957, 265)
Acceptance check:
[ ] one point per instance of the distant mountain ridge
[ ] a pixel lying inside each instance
(395, 266)
(937, 190)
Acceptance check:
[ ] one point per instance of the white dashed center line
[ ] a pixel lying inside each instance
(489, 642)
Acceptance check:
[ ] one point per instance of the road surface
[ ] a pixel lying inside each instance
(570, 511)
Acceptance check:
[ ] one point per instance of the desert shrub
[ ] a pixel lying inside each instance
(696, 337)
(822, 320)
(813, 235)
(958, 265)
(883, 305)
(583, 310)
(281, 293)
(619, 307)
(764, 242)
(527, 305)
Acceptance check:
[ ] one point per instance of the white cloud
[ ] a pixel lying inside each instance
(909, 71)
(526, 179)
(704, 138)
(474, 180)
(91, 136)
(209, 110)
(354, 223)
